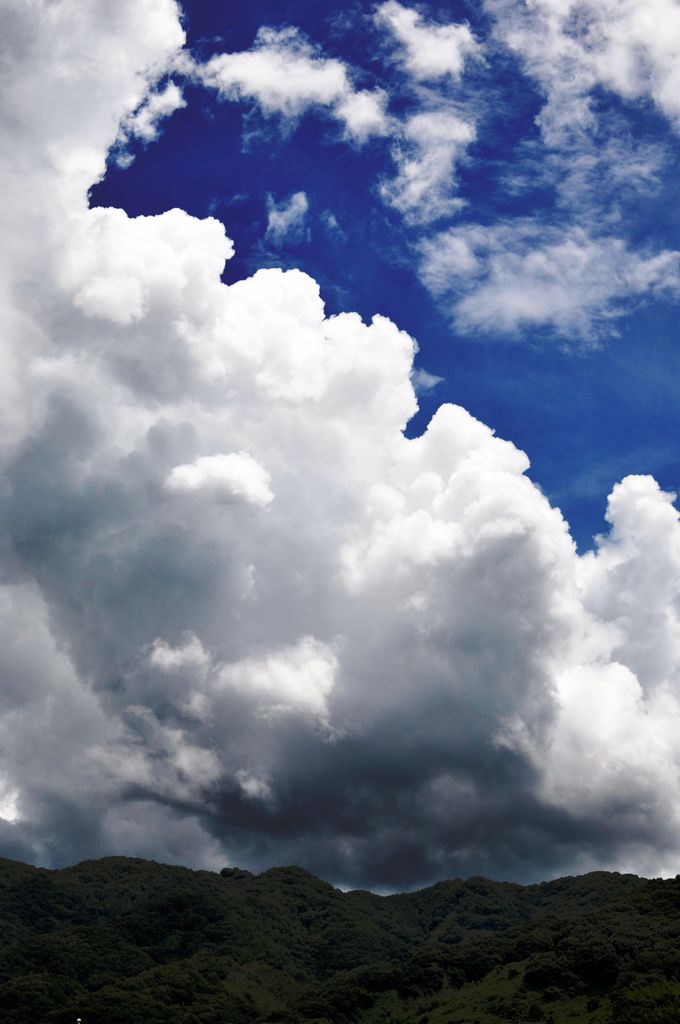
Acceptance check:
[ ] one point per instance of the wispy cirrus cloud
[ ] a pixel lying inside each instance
(429, 146)
(523, 275)
(572, 269)
(286, 219)
(570, 49)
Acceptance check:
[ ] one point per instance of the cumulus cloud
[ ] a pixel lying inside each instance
(286, 220)
(110, 283)
(429, 51)
(235, 475)
(298, 678)
(513, 276)
(242, 615)
(613, 740)
(285, 75)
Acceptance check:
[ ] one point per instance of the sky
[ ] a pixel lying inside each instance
(338, 448)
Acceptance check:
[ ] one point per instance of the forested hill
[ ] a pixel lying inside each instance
(121, 941)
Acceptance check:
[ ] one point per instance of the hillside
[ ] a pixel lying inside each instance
(122, 941)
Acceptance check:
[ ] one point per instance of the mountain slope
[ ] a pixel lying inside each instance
(125, 941)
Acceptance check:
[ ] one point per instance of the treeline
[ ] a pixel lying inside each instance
(122, 941)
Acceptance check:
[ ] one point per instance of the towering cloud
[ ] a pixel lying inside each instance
(241, 615)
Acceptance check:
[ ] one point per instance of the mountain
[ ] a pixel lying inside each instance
(127, 941)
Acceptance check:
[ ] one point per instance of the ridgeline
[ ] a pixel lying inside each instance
(125, 941)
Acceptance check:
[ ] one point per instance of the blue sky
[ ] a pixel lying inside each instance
(587, 410)
(260, 602)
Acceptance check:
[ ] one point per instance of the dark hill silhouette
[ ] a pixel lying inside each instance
(128, 941)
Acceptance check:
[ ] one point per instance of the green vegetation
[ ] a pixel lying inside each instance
(120, 941)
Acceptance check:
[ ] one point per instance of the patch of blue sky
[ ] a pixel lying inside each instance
(589, 397)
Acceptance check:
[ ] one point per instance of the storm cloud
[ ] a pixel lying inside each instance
(243, 618)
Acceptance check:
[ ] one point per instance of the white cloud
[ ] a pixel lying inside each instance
(363, 114)
(578, 277)
(282, 73)
(110, 282)
(224, 476)
(509, 277)
(431, 144)
(614, 738)
(286, 75)
(405, 645)
(9, 809)
(631, 47)
(144, 122)
(173, 659)
(634, 580)
(286, 220)
(430, 51)
(423, 381)
(298, 678)
(332, 226)
(254, 787)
